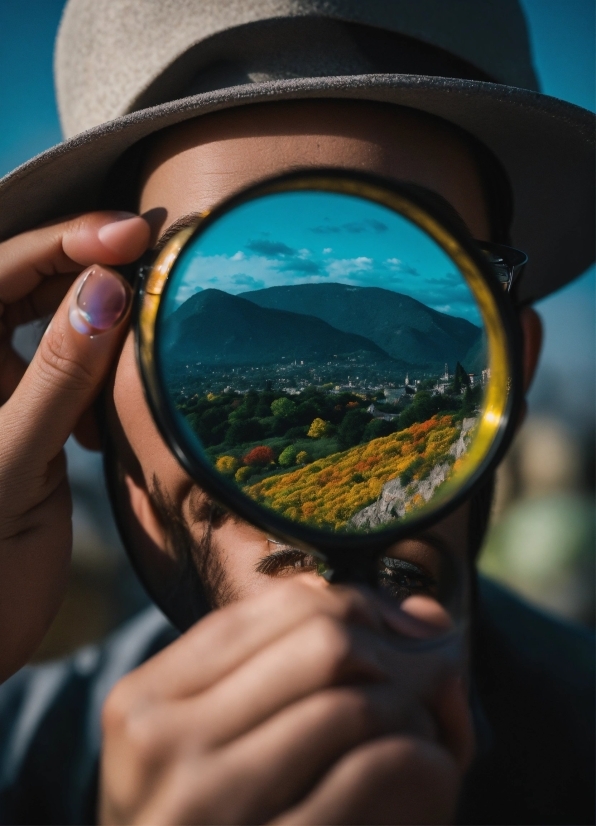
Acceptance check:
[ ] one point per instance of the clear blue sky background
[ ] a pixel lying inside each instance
(562, 32)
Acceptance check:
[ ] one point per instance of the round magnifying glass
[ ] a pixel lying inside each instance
(331, 357)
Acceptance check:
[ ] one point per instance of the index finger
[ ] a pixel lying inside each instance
(106, 237)
(227, 638)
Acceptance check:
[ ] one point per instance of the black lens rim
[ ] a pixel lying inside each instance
(326, 545)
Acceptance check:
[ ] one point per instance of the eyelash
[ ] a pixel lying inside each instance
(404, 579)
(286, 561)
(400, 578)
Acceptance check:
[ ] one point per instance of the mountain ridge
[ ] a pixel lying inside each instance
(214, 327)
(403, 327)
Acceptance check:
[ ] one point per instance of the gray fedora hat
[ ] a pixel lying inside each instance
(127, 68)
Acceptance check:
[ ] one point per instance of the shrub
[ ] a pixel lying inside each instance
(245, 430)
(283, 407)
(352, 427)
(260, 456)
(302, 458)
(287, 457)
(296, 432)
(408, 475)
(317, 429)
(194, 421)
(243, 473)
(228, 465)
(376, 429)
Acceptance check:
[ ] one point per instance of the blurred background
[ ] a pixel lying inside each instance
(542, 539)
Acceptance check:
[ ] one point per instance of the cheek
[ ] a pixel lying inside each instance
(139, 428)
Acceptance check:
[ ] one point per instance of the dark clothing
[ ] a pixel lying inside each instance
(534, 712)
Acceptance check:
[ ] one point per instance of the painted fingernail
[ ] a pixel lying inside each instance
(99, 302)
(116, 234)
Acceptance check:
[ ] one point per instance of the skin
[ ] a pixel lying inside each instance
(338, 722)
(195, 166)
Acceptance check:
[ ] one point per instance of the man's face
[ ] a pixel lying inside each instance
(193, 167)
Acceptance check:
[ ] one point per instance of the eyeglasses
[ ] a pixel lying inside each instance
(507, 262)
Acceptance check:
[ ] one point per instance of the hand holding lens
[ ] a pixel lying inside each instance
(332, 359)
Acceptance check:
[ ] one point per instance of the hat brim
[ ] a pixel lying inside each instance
(545, 145)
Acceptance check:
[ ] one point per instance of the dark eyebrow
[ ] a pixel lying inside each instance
(180, 223)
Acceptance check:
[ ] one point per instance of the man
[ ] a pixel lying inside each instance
(293, 702)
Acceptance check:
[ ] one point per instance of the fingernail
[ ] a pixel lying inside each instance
(99, 302)
(117, 232)
(417, 617)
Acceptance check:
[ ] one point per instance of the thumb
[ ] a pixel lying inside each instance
(71, 362)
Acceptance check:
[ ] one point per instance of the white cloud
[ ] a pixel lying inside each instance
(342, 267)
(327, 250)
(238, 256)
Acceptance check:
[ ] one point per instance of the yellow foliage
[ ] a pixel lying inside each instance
(317, 429)
(228, 465)
(243, 473)
(325, 493)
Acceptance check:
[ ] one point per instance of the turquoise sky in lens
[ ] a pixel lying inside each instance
(317, 238)
(562, 36)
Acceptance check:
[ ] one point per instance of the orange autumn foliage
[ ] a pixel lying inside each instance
(328, 492)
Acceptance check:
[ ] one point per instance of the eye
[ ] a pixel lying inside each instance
(403, 579)
(284, 561)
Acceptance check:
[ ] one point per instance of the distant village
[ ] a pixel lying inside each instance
(361, 378)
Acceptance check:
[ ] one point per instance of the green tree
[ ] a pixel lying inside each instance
(376, 429)
(472, 399)
(287, 457)
(460, 379)
(243, 474)
(351, 430)
(283, 407)
(245, 430)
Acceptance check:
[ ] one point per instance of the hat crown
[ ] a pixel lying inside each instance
(118, 56)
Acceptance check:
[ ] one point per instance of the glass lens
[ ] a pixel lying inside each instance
(325, 356)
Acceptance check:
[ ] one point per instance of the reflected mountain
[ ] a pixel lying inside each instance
(216, 328)
(404, 328)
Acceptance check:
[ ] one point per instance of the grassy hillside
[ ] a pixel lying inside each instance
(330, 491)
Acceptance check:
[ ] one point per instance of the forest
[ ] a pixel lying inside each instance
(259, 434)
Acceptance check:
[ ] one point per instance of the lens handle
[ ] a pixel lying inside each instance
(352, 567)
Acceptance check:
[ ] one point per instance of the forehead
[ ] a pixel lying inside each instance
(195, 165)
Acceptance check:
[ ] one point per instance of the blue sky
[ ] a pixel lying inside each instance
(562, 34)
(323, 237)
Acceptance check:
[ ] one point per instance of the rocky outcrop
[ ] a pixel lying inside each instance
(394, 496)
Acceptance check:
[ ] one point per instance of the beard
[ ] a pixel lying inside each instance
(200, 558)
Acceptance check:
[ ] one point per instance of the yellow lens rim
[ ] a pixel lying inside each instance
(496, 400)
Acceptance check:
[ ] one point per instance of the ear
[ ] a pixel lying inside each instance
(145, 514)
(531, 325)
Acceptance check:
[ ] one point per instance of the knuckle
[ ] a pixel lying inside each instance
(145, 734)
(332, 644)
(116, 707)
(139, 727)
(351, 708)
(58, 359)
